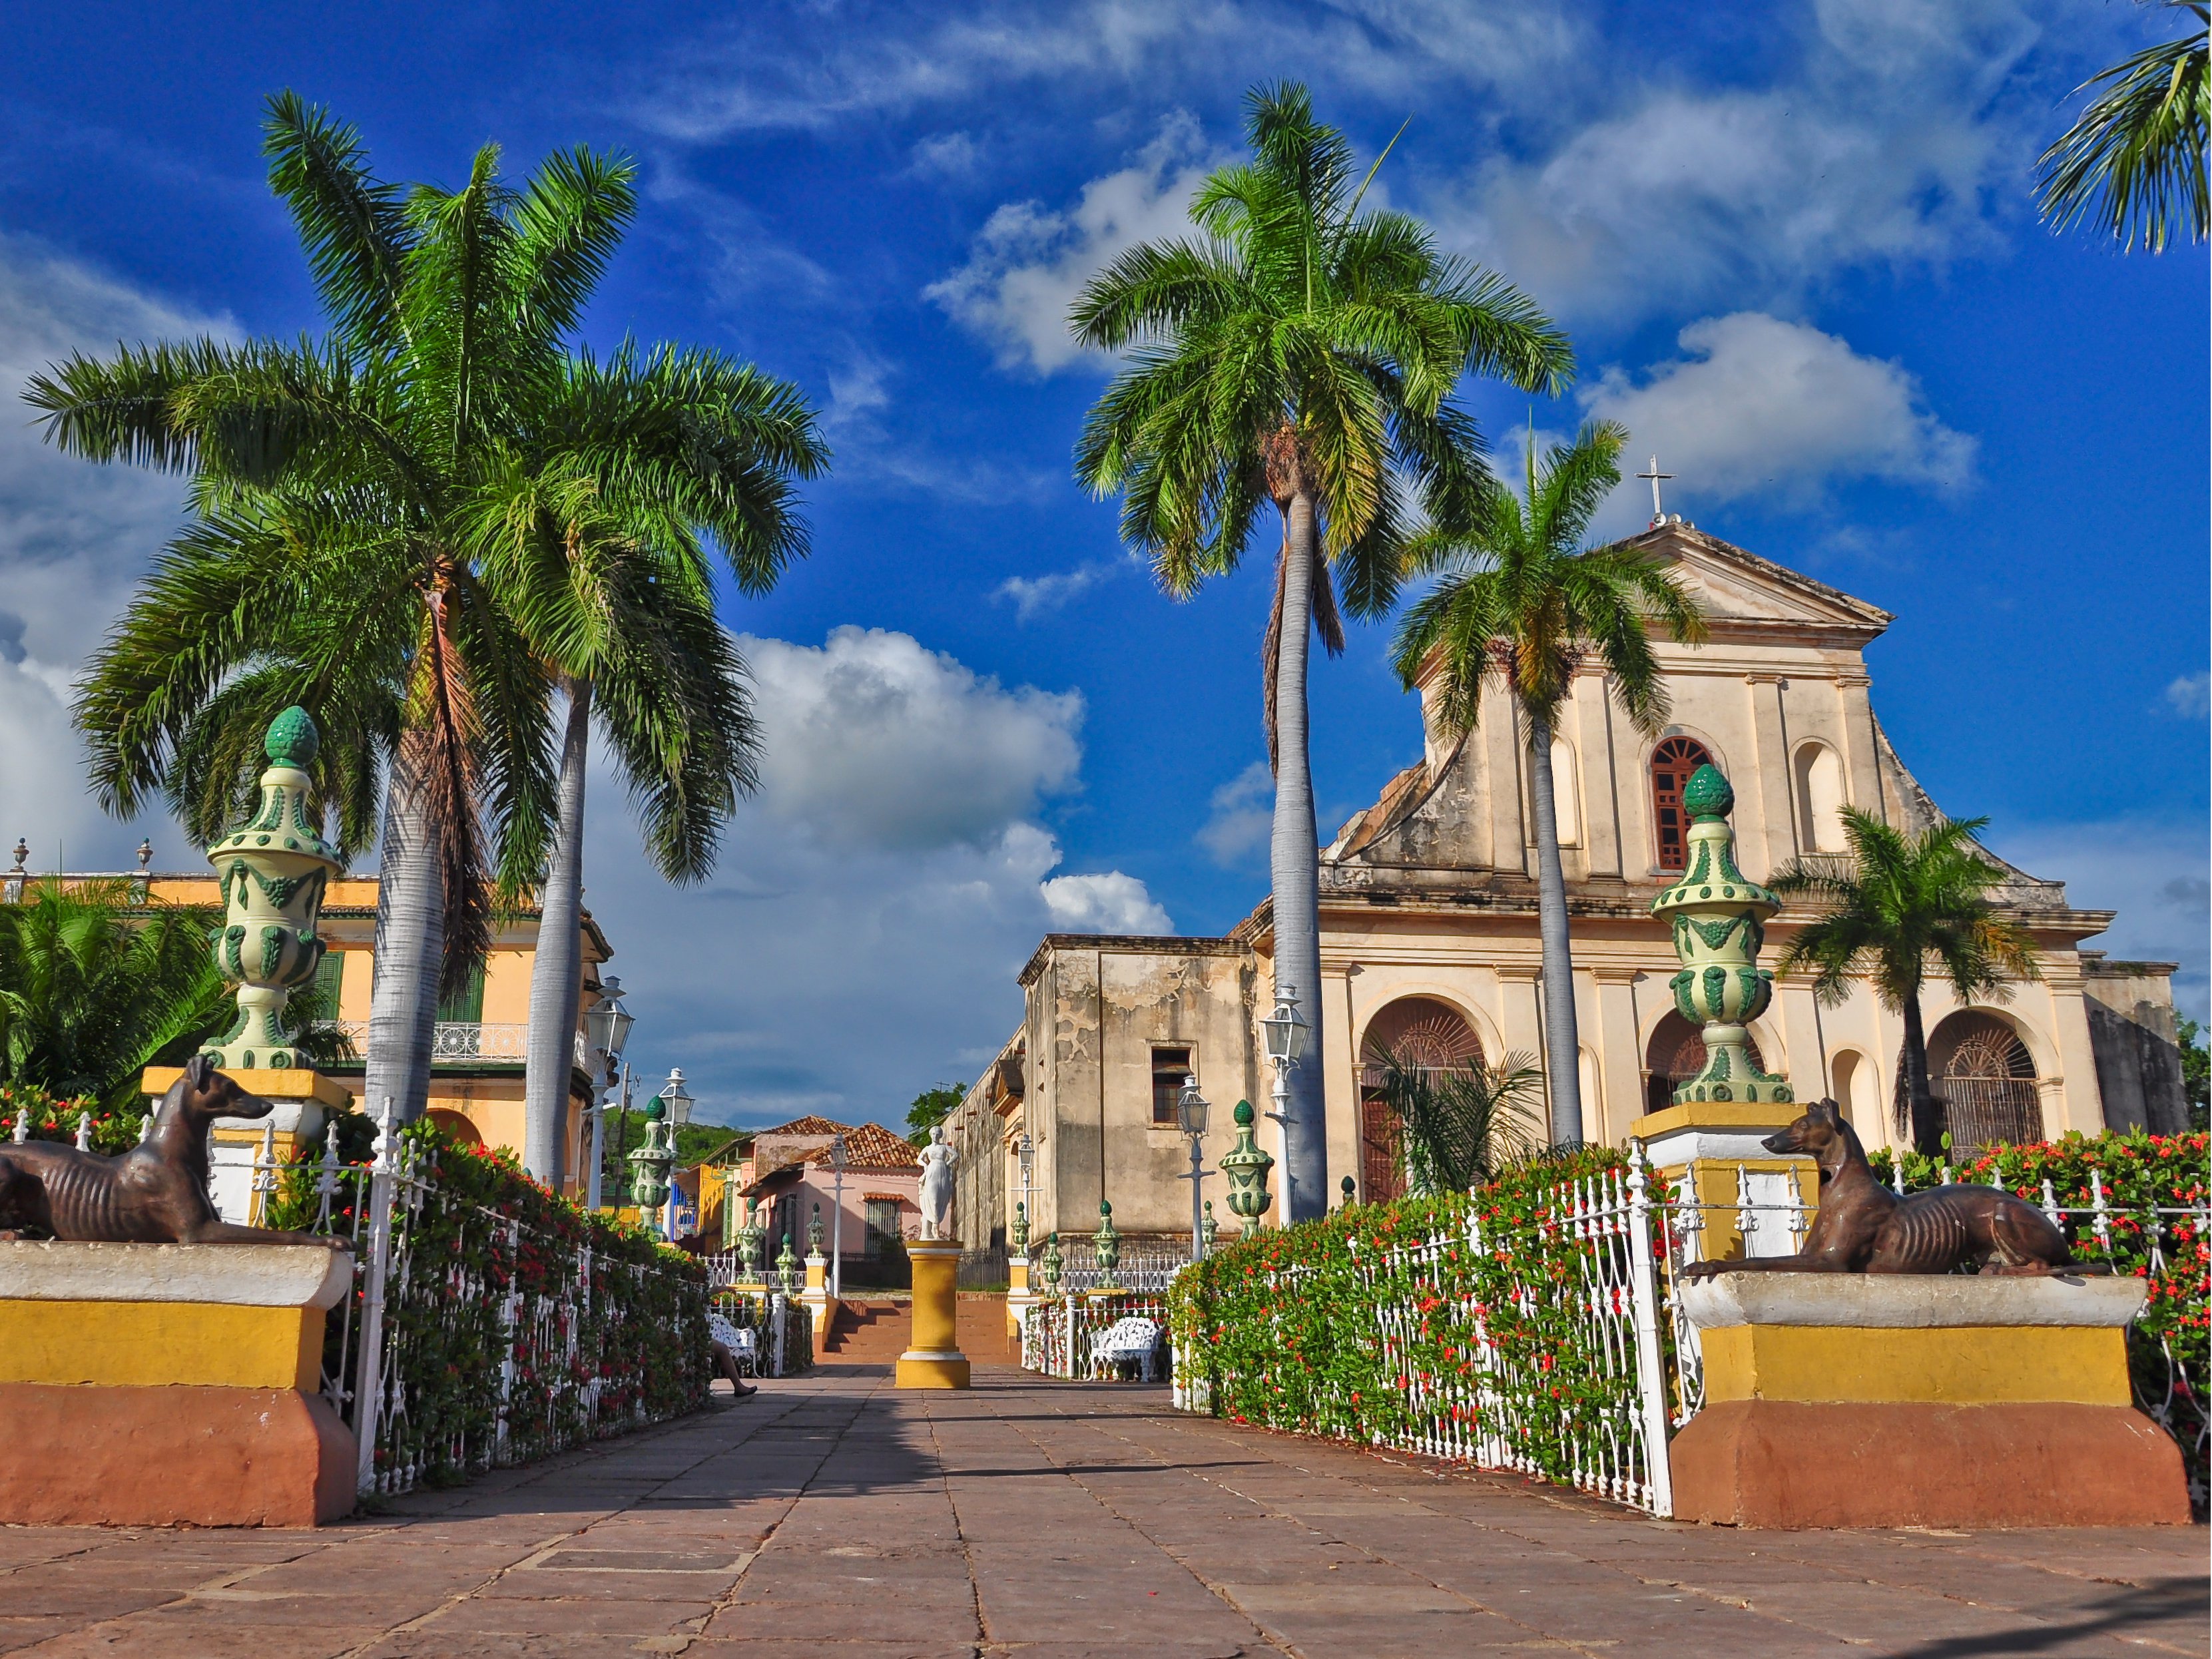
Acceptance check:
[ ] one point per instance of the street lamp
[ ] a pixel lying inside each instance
(1025, 1159)
(606, 1028)
(1190, 1117)
(676, 1100)
(837, 1217)
(1288, 1033)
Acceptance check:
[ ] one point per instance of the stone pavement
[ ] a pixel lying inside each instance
(832, 1517)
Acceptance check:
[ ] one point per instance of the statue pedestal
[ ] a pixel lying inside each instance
(1020, 1299)
(815, 1298)
(1710, 1154)
(170, 1384)
(305, 1101)
(1855, 1399)
(932, 1358)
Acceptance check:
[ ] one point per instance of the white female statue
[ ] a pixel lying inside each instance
(937, 1161)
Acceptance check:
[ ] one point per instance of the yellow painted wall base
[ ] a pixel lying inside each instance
(142, 1343)
(932, 1373)
(1950, 1366)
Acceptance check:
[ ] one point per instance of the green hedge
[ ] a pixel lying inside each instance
(1281, 1329)
(639, 1335)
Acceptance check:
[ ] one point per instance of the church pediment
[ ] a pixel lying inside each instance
(1738, 589)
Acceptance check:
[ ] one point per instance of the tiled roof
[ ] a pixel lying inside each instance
(808, 1126)
(872, 1146)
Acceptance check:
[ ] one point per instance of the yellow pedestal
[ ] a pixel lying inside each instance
(932, 1358)
(1708, 1142)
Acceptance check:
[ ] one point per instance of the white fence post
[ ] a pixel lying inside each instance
(775, 1313)
(1650, 1373)
(368, 1379)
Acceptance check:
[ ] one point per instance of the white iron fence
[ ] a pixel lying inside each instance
(473, 1340)
(1057, 1334)
(1551, 1343)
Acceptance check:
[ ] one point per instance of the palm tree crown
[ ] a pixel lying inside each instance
(2133, 163)
(1302, 352)
(1895, 907)
(422, 527)
(1520, 600)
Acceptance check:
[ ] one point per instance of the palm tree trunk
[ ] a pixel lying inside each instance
(1294, 865)
(410, 932)
(1562, 1042)
(1920, 1100)
(556, 973)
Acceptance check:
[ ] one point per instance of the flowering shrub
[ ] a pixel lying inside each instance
(2141, 1175)
(1370, 1322)
(516, 1323)
(112, 1131)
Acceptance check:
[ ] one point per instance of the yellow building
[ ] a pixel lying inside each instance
(478, 1050)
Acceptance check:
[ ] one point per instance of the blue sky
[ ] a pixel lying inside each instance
(1793, 244)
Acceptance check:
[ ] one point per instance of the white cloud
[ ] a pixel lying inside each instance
(1243, 816)
(1037, 596)
(870, 739)
(1884, 148)
(874, 904)
(2153, 872)
(873, 453)
(1108, 903)
(74, 537)
(1028, 262)
(946, 155)
(2190, 696)
(1760, 405)
(765, 73)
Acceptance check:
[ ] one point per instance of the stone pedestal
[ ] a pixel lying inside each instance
(1851, 1400)
(1020, 1299)
(932, 1358)
(169, 1384)
(305, 1101)
(1711, 1153)
(815, 1298)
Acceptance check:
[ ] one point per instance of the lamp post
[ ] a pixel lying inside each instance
(1190, 1118)
(1287, 1034)
(606, 1028)
(1025, 1161)
(837, 1216)
(677, 1099)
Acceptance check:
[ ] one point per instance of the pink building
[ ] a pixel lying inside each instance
(790, 1178)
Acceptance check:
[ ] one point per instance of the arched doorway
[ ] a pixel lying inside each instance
(1984, 1080)
(1676, 1053)
(1420, 1031)
(1673, 764)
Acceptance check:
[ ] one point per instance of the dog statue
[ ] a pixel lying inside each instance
(1863, 1227)
(155, 1194)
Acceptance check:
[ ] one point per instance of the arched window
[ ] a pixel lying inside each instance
(1414, 1031)
(1851, 1091)
(1566, 795)
(1672, 763)
(1984, 1080)
(1820, 797)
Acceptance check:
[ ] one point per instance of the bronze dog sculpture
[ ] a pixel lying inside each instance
(1863, 1227)
(155, 1194)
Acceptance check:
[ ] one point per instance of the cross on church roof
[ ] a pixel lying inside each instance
(1658, 516)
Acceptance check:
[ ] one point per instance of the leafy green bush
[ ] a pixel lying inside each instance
(505, 1347)
(1283, 1329)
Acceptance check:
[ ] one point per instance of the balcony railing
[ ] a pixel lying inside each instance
(461, 1042)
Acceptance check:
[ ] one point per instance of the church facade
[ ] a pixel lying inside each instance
(1430, 949)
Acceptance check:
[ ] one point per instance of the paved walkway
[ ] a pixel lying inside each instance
(834, 1518)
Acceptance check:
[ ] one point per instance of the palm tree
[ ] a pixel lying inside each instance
(2133, 163)
(383, 519)
(1463, 1124)
(96, 985)
(1894, 906)
(1299, 352)
(1520, 600)
(600, 543)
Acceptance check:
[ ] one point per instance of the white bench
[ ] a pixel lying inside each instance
(743, 1343)
(1133, 1338)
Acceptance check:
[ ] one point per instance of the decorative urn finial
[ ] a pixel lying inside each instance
(272, 870)
(1719, 918)
(1020, 1237)
(1106, 1249)
(650, 1164)
(1247, 1168)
